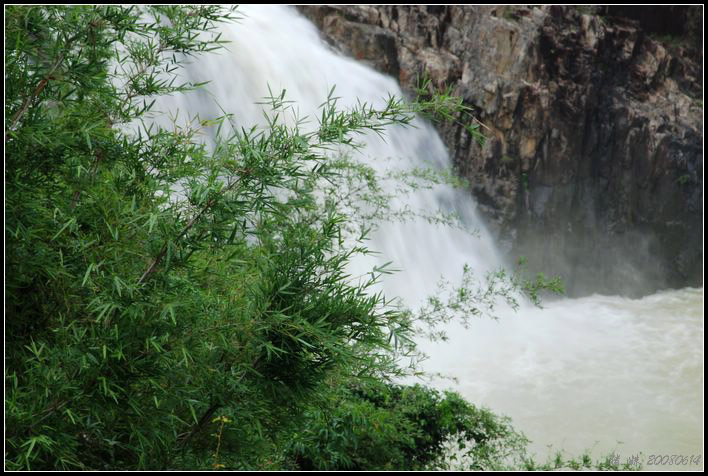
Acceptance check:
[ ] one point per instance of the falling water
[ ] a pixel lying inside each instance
(579, 374)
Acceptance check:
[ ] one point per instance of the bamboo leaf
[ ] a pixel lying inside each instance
(66, 225)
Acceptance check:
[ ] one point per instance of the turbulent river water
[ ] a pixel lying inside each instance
(600, 373)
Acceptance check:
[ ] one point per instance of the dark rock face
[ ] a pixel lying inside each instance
(593, 168)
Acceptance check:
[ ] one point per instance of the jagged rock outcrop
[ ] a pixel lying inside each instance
(594, 164)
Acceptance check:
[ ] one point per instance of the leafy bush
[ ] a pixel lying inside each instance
(393, 427)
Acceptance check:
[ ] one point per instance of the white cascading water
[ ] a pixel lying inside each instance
(579, 374)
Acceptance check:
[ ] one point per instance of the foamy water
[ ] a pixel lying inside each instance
(601, 373)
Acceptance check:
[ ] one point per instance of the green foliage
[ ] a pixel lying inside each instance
(524, 181)
(584, 462)
(392, 427)
(683, 179)
(586, 9)
(511, 14)
(474, 298)
(672, 42)
(160, 292)
(442, 104)
(507, 160)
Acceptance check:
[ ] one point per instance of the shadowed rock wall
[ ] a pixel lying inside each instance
(594, 164)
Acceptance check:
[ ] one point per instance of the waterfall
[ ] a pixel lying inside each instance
(579, 372)
(275, 48)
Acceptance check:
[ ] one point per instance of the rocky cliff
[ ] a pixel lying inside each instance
(593, 168)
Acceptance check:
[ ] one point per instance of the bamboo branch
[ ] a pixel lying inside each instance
(163, 251)
(202, 421)
(40, 87)
(25, 105)
(94, 169)
(185, 437)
